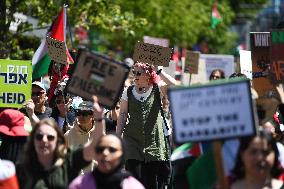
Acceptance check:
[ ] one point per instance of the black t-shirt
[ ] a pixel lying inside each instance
(46, 114)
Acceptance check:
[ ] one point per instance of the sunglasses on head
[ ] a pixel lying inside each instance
(100, 149)
(39, 137)
(37, 93)
(84, 112)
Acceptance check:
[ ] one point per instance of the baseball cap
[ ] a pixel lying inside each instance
(12, 123)
(39, 84)
(85, 105)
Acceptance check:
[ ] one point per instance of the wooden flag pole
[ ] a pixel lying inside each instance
(221, 179)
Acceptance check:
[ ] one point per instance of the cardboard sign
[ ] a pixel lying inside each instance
(15, 82)
(191, 62)
(57, 50)
(260, 45)
(156, 41)
(97, 74)
(218, 61)
(152, 54)
(214, 111)
(277, 56)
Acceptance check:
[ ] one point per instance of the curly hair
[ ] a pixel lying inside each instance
(149, 70)
(31, 159)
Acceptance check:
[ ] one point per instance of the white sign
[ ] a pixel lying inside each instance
(216, 61)
(156, 41)
(246, 63)
(212, 111)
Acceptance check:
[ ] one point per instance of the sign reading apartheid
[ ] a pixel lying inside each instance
(213, 111)
(152, 54)
(191, 62)
(260, 45)
(57, 50)
(97, 74)
(277, 56)
(15, 82)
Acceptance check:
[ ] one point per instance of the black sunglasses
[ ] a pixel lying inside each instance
(137, 73)
(37, 93)
(84, 112)
(39, 137)
(100, 149)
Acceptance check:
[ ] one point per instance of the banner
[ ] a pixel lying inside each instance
(277, 56)
(260, 45)
(152, 54)
(214, 111)
(97, 74)
(15, 82)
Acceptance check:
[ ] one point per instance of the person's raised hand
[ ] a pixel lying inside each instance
(98, 110)
(30, 107)
(280, 90)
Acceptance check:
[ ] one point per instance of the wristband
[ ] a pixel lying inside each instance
(159, 71)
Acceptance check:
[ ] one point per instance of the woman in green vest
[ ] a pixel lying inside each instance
(147, 150)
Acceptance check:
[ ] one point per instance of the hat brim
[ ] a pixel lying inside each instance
(14, 131)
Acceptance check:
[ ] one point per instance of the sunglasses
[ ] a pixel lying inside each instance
(37, 93)
(84, 113)
(137, 73)
(39, 137)
(101, 149)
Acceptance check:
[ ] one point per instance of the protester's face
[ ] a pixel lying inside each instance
(45, 140)
(60, 103)
(141, 77)
(258, 158)
(108, 153)
(38, 95)
(84, 117)
(216, 75)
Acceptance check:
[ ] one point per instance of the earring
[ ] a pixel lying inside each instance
(144, 90)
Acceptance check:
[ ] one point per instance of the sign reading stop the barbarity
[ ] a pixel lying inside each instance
(15, 82)
(213, 111)
(277, 56)
(152, 54)
(97, 74)
(57, 50)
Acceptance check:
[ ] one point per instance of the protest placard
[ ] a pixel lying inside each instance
(57, 50)
(218, 61)
(97, 74)
(156, 41)
(15, 82)
(191, 62)
(260, 45)
(213, 111)
(152, 54)
(246, 63)
(277, 56)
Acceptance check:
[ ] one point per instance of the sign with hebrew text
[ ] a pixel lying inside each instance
(15, 82)
(213, 111)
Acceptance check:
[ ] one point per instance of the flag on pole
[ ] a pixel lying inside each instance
(187, 150)
(215, 16)
(41, 60)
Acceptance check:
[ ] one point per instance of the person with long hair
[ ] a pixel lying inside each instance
(257, 164)
(147, 155)
(48, 163)
(109, 174)
(217, 74)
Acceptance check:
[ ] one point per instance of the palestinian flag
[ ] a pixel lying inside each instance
(41, 60)
(215, 16)
(186, 150)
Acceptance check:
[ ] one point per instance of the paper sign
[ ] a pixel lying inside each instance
(191, 62)
(217, 61)
(277, 56)
(201, 77)
(213, 111)
(260, 45)
(15, 82)
(152, 54)
(57, 50)
(156, 41)
(246, 63)
(97, 74)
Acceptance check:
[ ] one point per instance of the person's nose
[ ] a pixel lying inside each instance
(44, 139)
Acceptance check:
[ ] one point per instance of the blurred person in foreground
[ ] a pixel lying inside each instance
(109, 174)
(257, 164)
(48, 163)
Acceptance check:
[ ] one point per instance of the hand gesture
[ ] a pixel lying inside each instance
(280, 90)
(98, 110)
(30, 107)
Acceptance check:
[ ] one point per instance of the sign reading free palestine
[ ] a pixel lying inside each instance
(15, 82)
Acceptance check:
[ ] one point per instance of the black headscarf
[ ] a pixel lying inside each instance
(113, 179)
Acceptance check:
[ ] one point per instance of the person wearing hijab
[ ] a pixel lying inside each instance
(109, 174)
